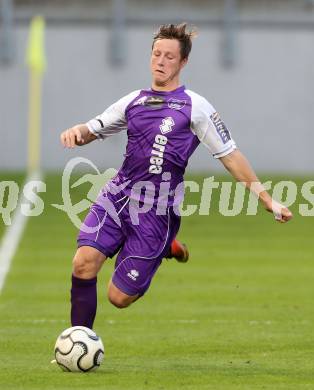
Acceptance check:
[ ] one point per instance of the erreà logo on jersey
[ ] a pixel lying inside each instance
(166, 125)
(159, 146)
(220, 127)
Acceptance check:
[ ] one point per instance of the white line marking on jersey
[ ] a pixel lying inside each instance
(14, 232)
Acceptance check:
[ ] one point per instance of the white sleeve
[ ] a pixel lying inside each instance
(207, 125)
(113, 119)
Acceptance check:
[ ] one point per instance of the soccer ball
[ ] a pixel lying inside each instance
(79, 349)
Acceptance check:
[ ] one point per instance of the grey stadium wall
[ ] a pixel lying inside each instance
(266, 99)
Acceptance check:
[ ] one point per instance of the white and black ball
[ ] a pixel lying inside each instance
(79, 349)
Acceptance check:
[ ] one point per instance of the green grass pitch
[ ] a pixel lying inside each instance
(239, 315)
(18, 178)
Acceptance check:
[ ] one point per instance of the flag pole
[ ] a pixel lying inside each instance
(36, 62)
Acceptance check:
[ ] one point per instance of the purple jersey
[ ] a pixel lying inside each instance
(164, 129)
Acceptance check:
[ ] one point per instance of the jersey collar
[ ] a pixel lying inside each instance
(177, 90)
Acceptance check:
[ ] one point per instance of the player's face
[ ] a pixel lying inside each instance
(166, 63)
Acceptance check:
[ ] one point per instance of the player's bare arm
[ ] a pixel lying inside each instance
(239, 167)
(76, 136)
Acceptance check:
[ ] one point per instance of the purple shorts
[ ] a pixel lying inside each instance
(140, 247)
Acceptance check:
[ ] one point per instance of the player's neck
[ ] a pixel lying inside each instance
(166, 88)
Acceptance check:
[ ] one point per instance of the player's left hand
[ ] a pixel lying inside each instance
(281, 213)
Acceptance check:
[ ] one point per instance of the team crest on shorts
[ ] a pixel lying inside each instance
(176, 104)
(133, 274)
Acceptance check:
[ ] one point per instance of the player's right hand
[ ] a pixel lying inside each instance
(71, 137)
(281, 213)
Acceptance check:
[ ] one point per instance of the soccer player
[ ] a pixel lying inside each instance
(134, 216)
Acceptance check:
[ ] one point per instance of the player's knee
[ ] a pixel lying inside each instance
(118, 301)
(81, 266)
(85, 263)
(118, 298)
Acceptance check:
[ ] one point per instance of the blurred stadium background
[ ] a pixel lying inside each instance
(239, 315)
(254, 60)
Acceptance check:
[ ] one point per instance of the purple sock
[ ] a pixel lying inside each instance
(84, 301)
